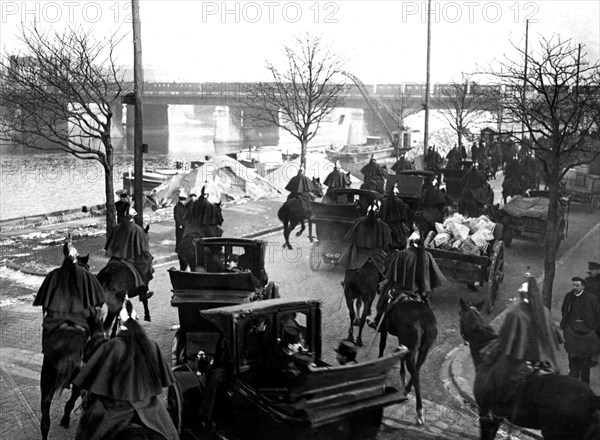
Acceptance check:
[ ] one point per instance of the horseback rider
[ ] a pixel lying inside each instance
(120, 385)
(374, 175)
(528, 340)
(201, 213)
(128, 244)
(69, 294)
(433, 161)
(476, 194)
(403, 164)
(302, 188)
(454, 156)
(431, 205)
(394, 212)
(409, 275)
(336, 179)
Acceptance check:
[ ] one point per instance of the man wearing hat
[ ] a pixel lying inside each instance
(346, 353)
(592, 282)
(580, 315)
(283, 366)
(122, 205)
(179, 215)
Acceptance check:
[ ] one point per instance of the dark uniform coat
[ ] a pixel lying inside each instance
(179, 215)
(580, 315)
(592, 285)
(114, 400)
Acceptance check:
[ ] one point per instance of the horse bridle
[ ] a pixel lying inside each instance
(462, 334)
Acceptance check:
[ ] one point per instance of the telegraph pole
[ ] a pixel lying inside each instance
(138, 90)
(523, 95)
(426, 135)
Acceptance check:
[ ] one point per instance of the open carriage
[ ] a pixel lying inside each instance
(477, 271)
(324, 402)
(231, 271)
(333, 219)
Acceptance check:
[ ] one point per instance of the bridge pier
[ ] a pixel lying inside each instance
(228, 124)
(156, 118)
(117, 128)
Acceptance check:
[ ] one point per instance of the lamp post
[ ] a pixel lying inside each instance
(138, 89)
(426, 134)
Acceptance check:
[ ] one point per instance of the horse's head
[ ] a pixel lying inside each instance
(69, 250)
(83, 261)
(474, 330)
(318, 187)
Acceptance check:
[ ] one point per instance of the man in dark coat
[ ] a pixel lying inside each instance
(474, 152)
(303, 188)
(580, 317)
(179, 216)
(122, 381)
(454, 156)
(431, 206)
(592, 282)
(336, 179)
(122, 205)
(68, 294)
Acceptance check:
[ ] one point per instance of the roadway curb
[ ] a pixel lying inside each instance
(159, 260)
(462, 355)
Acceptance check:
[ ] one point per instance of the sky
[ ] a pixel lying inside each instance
(382, 41)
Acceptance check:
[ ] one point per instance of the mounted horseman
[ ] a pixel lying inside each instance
(296, 210)
(403, 164)
(453, 157)
(395, 213)
(403, 309)
(514, 183)
(335, 179)
(370, 239)
(433, 161)
(477, 196)
(70, 297)
(374, 176)
(128, 248)
(202, 219)
(431, 207)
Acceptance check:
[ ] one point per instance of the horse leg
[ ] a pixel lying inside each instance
(146, 310)
(288, 226)
(382, 339)
(488, 425)
(47, 380)
(415, 381)
(359, 305)
(350, 305)
(66, 418)
(366, 312)
(302, 227)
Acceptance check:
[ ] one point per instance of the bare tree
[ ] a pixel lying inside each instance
(303, 94)
(460, 105)
(557, 102)
(58, 93)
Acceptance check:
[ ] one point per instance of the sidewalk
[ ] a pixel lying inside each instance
(573, 263)
(247, 220)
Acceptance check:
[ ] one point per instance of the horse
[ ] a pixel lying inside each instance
(562, 407)
(119, 283)
(294, 211)
(360, 285)
(415, 326)
(511, 188)
(63, 348)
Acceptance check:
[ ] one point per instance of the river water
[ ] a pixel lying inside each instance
(35, 182)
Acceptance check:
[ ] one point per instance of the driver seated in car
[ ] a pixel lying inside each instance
(289, 360)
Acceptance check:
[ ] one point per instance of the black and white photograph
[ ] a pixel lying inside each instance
(299, 220)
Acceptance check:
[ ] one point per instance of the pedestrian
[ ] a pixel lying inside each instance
(179, 215)
(592, 282)
(580, 315)
(346, 353)
(122, 205)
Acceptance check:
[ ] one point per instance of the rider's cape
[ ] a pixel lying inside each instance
(117, 398)
(127, 241)
(300, 184)
(369, 232)
(204, 213)
(373, 170)
(70, 289)
(393, 209)
(474, 178)
(337, 179)
(354, 258)
(402, 267)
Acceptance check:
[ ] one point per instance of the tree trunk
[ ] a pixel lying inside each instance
(303, 149)
(551, 231)
(111, 212)
(459, 132)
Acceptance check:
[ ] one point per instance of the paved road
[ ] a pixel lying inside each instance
(20, 326)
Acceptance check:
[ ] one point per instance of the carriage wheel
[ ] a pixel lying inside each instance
(175, 406)
(507, 237)
(177, 350)
(495, 275)
(595, 203)
(315, 256)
